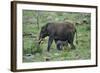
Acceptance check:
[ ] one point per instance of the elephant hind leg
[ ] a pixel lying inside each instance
(71, 44)
(71, 40)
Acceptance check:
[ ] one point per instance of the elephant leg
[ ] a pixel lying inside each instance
(71, 44)
(49, 43)
(70, 41)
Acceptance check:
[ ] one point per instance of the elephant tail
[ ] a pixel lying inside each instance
(76, 36)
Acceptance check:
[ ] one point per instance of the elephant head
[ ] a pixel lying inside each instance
(43, 33)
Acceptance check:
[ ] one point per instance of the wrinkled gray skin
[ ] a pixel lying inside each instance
(59, 32)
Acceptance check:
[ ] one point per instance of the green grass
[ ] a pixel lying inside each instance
(39, 53)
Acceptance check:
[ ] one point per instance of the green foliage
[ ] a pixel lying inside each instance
(34, 19)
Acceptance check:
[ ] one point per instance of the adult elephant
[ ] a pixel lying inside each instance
(59, 32)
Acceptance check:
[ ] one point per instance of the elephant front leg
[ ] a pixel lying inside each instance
(49, 43)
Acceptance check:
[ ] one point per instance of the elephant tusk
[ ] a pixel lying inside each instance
(40, 41)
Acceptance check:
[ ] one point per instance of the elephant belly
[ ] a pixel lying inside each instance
(62, 38)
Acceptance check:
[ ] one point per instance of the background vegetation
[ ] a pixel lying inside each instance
(32, 23)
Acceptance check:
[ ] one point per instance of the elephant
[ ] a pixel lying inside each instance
(59, 32)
